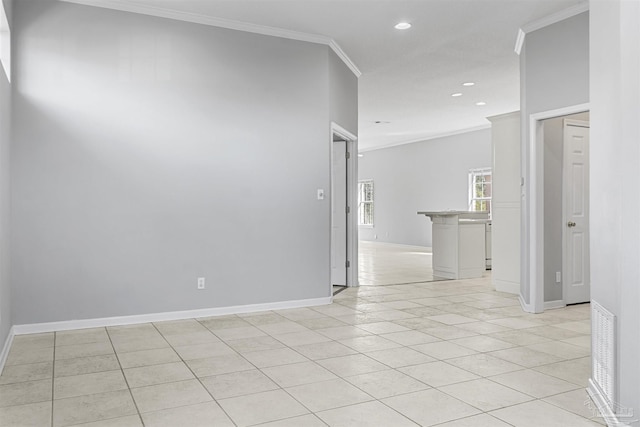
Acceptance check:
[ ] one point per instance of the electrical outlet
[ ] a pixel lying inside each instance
(200, 282)
(558, 277)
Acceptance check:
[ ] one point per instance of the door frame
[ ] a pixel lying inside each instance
(565, 258)
(532, 245)
(352, 202)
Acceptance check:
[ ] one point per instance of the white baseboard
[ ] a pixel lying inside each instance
(550, 305)
(606, 411)
(66, 325)
(508, 287)
(5, 350)
(526, 307)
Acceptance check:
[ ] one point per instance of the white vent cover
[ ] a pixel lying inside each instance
(603, 348)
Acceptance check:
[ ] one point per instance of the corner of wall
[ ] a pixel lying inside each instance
(4, 352)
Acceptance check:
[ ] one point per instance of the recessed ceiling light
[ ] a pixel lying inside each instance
(481, 103)
(468, 84)
(360, 155)
(456, 94)
(402, 26)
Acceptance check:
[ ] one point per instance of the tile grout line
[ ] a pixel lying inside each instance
(53, 376)
(263, 373)
(533, 398)
(293, 397)
(135, 404)
(191, 370)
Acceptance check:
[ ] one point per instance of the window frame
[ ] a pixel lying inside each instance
(473, 198)
(361, 184)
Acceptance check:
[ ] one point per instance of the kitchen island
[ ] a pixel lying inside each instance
(458, 242)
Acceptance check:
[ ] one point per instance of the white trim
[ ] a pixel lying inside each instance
(428, 138)
(606, 411)
(519, 41)
(222, 23)
(172, 315)
(508, 287)
(5, 350)
(556, 17)
(352, 191)
(534, 217)
(352, 197)
(344, 57)
(548, 20)
(525, 307)
(340, 131)
(550, 305)
(5, 42)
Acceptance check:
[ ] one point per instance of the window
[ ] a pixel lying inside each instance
(480, 190)
(365, 203)
(5, 42)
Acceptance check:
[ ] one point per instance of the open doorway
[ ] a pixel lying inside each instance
(566, 209)
(559, 238)
(344, 237)
(396, 240)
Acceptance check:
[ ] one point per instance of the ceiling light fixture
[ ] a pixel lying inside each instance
(468, 84)
(456, 94)
(481, 103)
(402, 26)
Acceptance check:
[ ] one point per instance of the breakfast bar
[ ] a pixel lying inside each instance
(458, 242)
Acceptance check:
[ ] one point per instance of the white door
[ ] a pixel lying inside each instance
(339, 214)
(575, 237)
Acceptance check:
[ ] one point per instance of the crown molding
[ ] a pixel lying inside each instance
(344, 57)
(429, 138)
(160, 12)
(520, 41)
(548, 20)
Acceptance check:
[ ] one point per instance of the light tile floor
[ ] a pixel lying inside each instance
(451, 354)
(388, 263)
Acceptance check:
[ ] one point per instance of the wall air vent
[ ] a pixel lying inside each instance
(603, 344)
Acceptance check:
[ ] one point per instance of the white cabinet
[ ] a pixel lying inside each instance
(506, 202)
(458, 244)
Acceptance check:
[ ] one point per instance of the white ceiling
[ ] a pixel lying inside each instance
(407, 76)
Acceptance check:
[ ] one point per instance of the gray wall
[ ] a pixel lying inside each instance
(553, 202)
(556, 62)
(554, 73)
(150, 152)
(424, 176)
(5, 144)
(343, 94)
(615, 154)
